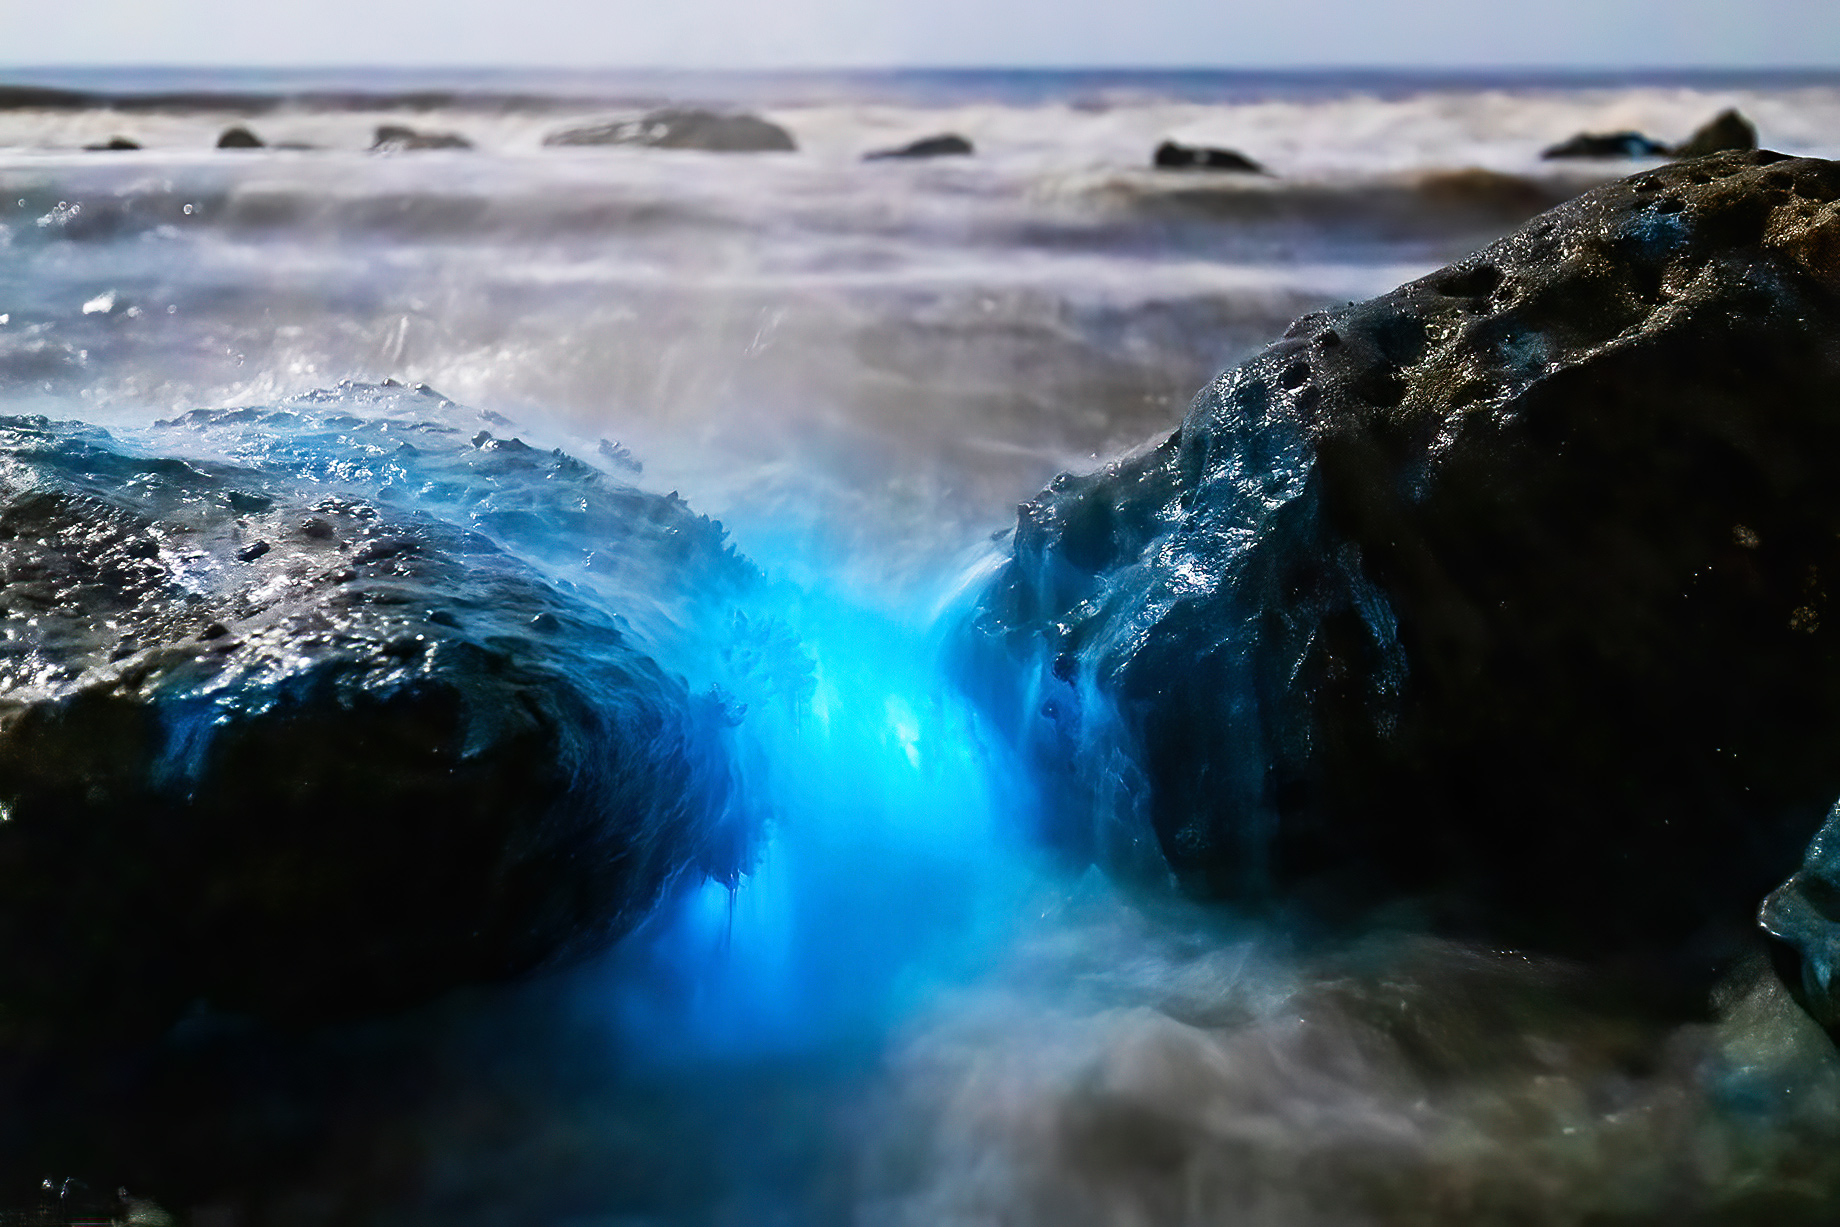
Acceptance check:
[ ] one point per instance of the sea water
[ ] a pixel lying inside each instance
(907, 1012)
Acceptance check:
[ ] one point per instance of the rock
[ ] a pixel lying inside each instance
(115, 144)
(394, 138)
(314, 735)
(677, 128)
(239, 138)
(1803, 914)
(1607, 145)
(1504, 593)
(1488, 193)
(1726, 131)
(1171, 156)
(949, 144)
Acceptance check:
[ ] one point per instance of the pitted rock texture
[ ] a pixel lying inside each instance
(1506, 592)
(276, 738)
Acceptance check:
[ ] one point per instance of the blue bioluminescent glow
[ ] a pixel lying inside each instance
(894, 859)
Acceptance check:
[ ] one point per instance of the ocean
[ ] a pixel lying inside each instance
(906, 1013)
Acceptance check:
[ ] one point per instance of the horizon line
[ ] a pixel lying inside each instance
(1300, 67)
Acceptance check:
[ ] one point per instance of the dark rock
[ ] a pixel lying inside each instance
(239, 138)
(679, 128)
(115, 144)
(1607, 145)
(1725, 132)
(1505, 592)
(284, 779)
(1172, 156)
(1803, 914)
(948, 145)
(394, 138)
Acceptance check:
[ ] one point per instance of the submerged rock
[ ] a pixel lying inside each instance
(1172, 156)
(394, 138)
(949, 144)
(1728, 130)
(1505, 592)
(310, 730)
(239, 138)
(683, 128)
(1607, 145)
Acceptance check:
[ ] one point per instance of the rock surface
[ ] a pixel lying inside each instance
(1803, 915)
(1173, 156)
(308, 730)
(394, 138)
(1607, 145)
(1505, 592)
(947, 145)
(239, 138)
(679, 128)
(1726, 131)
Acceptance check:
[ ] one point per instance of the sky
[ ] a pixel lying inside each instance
(881, 33)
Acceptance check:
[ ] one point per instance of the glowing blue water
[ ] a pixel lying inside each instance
(894, 863)
(889, 823)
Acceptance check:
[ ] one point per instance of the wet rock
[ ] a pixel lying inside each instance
(1728, 130)
(1803, 915)
(1505, 593)
(949, 144)
(273, 742)
(1172, 156)
(239, 138)
(1607, 145)
(115, 144)
(394, 138)
(681, 128)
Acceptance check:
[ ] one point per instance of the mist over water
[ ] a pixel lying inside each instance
(906, 1012)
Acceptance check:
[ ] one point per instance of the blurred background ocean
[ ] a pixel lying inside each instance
(894, 349)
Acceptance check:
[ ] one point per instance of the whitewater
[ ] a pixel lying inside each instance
(907, 1010)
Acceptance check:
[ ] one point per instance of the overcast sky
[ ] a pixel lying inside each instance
(836, 33)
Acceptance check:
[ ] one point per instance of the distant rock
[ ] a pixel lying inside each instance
(239, 138)
(394, 138)
(1506, 594)
(113, 144)
(278, 740)
(1726, 131)
(1491, 192)
(949, 144)
(1607, 145)
(1172, 156)
(681, 128)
